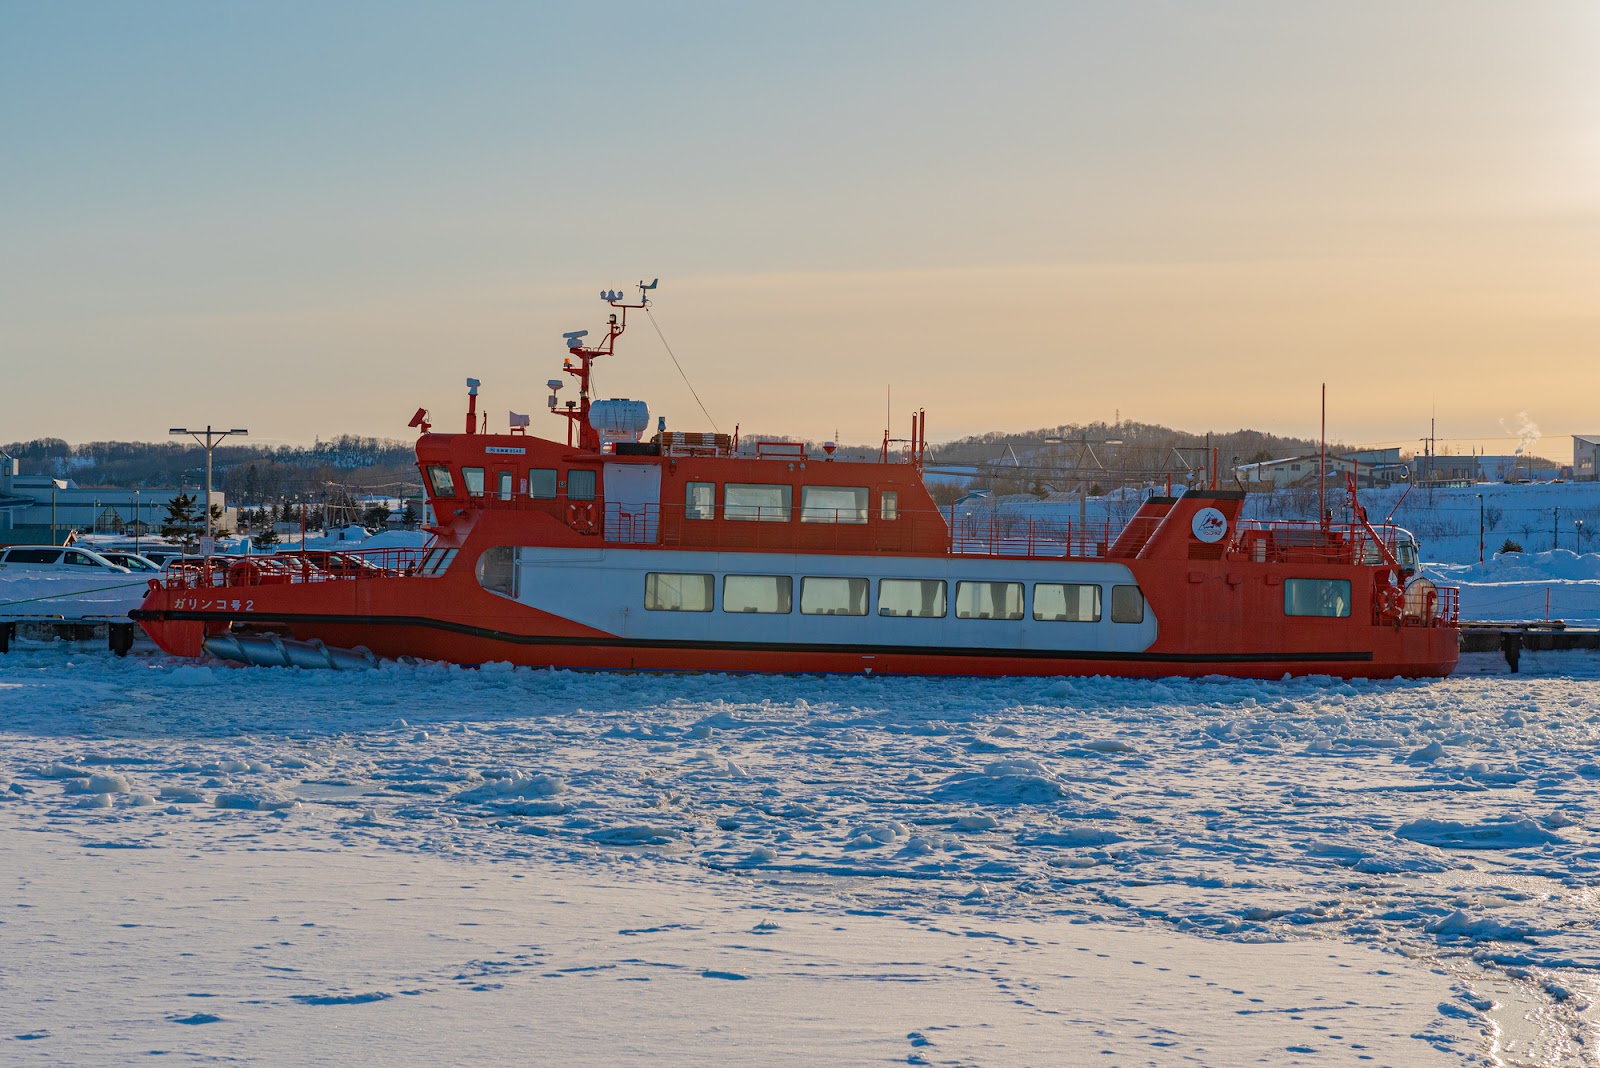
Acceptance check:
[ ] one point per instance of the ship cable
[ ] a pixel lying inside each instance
(73, 593)
(679, 366)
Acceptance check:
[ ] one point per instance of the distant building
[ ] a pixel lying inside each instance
(37, 508)
(1371, 467)
(1585, 457)
(1478, 468)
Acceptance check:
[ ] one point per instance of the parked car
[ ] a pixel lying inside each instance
(58, 559)
(132, 561)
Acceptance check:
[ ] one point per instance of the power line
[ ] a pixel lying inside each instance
(679, 366)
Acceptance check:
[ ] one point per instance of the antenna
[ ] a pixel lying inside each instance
(573, 337)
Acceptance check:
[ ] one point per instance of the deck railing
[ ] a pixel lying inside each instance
(311, 565)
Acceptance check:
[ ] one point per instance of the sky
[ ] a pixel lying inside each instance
(310, 220)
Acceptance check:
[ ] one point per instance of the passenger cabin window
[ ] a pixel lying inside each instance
(439, 478)
(1316, 597)
(700, 501)
(757, 503)
(923, 598)
(828, 596)
(580, 487)
(1066, 602)
(472, 478)
(505, 485)
(889, 505)
(497, 570)
(988, 600)
(772, 594)
(833, 504)
(1127, 604)
(542, 483)
(665, 592)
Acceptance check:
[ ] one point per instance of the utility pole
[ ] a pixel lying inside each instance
(1555, 531)
(1480, 528)
(210, 440)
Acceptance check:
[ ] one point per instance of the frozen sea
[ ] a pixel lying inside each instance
(430, 865)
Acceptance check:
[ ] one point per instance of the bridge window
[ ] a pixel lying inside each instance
(1127, 604)
(759, 503)
(911, 597)
(439, 478)
(988, 600)
(472, 478)
(889, 505)
(505, 485)
(436, 561)
(772, 594)
(678, 593)
(580, 485)
(542, 483)
(1066, 602)
(1316, 597)
(828, 596)
(833, 504)
(700, 501)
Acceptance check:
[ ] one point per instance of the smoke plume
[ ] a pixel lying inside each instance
(1526, 432)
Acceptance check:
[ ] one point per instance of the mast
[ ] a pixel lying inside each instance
(577, 412)
(1322, 468)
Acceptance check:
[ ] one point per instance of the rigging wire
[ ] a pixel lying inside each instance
(679, 366)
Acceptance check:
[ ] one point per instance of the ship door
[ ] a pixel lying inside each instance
(633, 502)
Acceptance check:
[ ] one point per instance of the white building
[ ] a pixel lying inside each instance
(1585, 457)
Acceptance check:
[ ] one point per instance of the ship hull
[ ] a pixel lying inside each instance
(459, 623)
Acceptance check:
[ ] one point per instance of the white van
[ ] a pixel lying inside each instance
(60, 560)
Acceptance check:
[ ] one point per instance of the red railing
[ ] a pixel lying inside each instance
(993, 534)
(1294, 541)
(311, 565)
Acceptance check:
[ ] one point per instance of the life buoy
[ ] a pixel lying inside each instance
(581, 518)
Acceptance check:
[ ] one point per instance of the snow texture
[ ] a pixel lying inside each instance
(424, 864)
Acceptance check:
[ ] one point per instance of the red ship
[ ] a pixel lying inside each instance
(686, 552)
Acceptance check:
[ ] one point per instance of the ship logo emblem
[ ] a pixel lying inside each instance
(1209, 525)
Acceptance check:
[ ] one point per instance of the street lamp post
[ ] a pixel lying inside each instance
(210, 439)
(1578, 536)
(55, 484)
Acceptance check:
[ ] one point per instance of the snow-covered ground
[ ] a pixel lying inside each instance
(426, 865)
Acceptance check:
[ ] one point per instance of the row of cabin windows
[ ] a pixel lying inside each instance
(542, 483)
(774, 503)
(926, 598)
(916, 598)
(748, 502)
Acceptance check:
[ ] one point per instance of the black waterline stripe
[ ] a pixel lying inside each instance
(764, 647)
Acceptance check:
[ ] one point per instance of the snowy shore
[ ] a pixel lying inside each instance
(423, 864)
